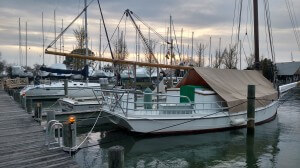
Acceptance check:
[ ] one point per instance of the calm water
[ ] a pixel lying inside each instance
(276, 144)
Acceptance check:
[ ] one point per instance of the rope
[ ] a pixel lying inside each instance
(165, 127)
(100, 113)
(62, 32)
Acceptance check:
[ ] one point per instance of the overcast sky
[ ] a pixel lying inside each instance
(206, 18)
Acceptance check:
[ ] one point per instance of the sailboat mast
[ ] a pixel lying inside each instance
(256, 34)
(181, 44)
(209, 54)
(20, 43)
(62, 36)
(26, 44)
(192, 54)
(171, 53)
(100, 42)
(55, 35)
(43, 38)
(85, 34)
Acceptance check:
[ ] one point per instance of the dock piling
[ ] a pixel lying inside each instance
(28, 105)
(66, 87)
(116, 157)
(251, 109)
(38, 112)
(69, 134)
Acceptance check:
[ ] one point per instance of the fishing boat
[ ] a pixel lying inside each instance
(56, 89)
(206, 99)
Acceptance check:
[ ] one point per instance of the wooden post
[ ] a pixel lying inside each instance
(116, 157)
(251, 109)
(69, 136)
(28, 105)
(38, 112)
(66, 87)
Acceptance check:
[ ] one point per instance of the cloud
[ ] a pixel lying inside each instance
(206, 18)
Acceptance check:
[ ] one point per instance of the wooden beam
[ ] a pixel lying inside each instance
(96, 58)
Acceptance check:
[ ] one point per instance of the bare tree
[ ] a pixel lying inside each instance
(250, 61)
(219, 59)
(200, 53)
(76, 63)
(230, 57)
(2, 63)
(149, 57)
(120, 52)
(79, 34)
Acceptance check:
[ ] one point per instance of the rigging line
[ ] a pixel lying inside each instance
(266, 24)
(159, 35)
(99, 115)
(295, 20)
(129, 13)
(108, 41)
(248, 9)
(271, 31)
(176, 40)
(113, 34)
(251, 39)
(233, 20)
(240, 19)
(268, 17)
(293, 24)
(174, 125)
(292, 17)
(55, 40)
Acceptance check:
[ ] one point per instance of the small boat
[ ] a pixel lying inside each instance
(80, 104)
(56, 89)
(206, 99)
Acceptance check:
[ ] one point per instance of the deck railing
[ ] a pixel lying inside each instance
(126, 102)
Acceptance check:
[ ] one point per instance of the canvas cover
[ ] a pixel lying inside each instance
(232, 86)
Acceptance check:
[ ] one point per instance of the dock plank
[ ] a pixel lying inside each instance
(23, 140)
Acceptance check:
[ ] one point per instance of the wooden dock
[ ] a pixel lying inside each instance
(23, 140)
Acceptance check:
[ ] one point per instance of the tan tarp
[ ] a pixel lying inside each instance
(232, 86)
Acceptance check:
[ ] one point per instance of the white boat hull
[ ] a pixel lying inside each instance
(175, 124)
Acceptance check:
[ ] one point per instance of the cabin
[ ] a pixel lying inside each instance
(288, 72)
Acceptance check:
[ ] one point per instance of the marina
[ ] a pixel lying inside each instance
(176, 84)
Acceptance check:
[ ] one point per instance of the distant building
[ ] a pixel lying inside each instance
(288, 71)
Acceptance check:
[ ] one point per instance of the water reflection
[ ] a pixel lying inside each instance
(275, 144)
(222, 149)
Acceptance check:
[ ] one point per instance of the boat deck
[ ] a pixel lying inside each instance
(23, 140)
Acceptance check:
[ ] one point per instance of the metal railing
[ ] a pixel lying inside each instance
(51, 141)
(123, 101)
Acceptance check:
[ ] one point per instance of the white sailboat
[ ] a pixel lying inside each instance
(56, 89)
